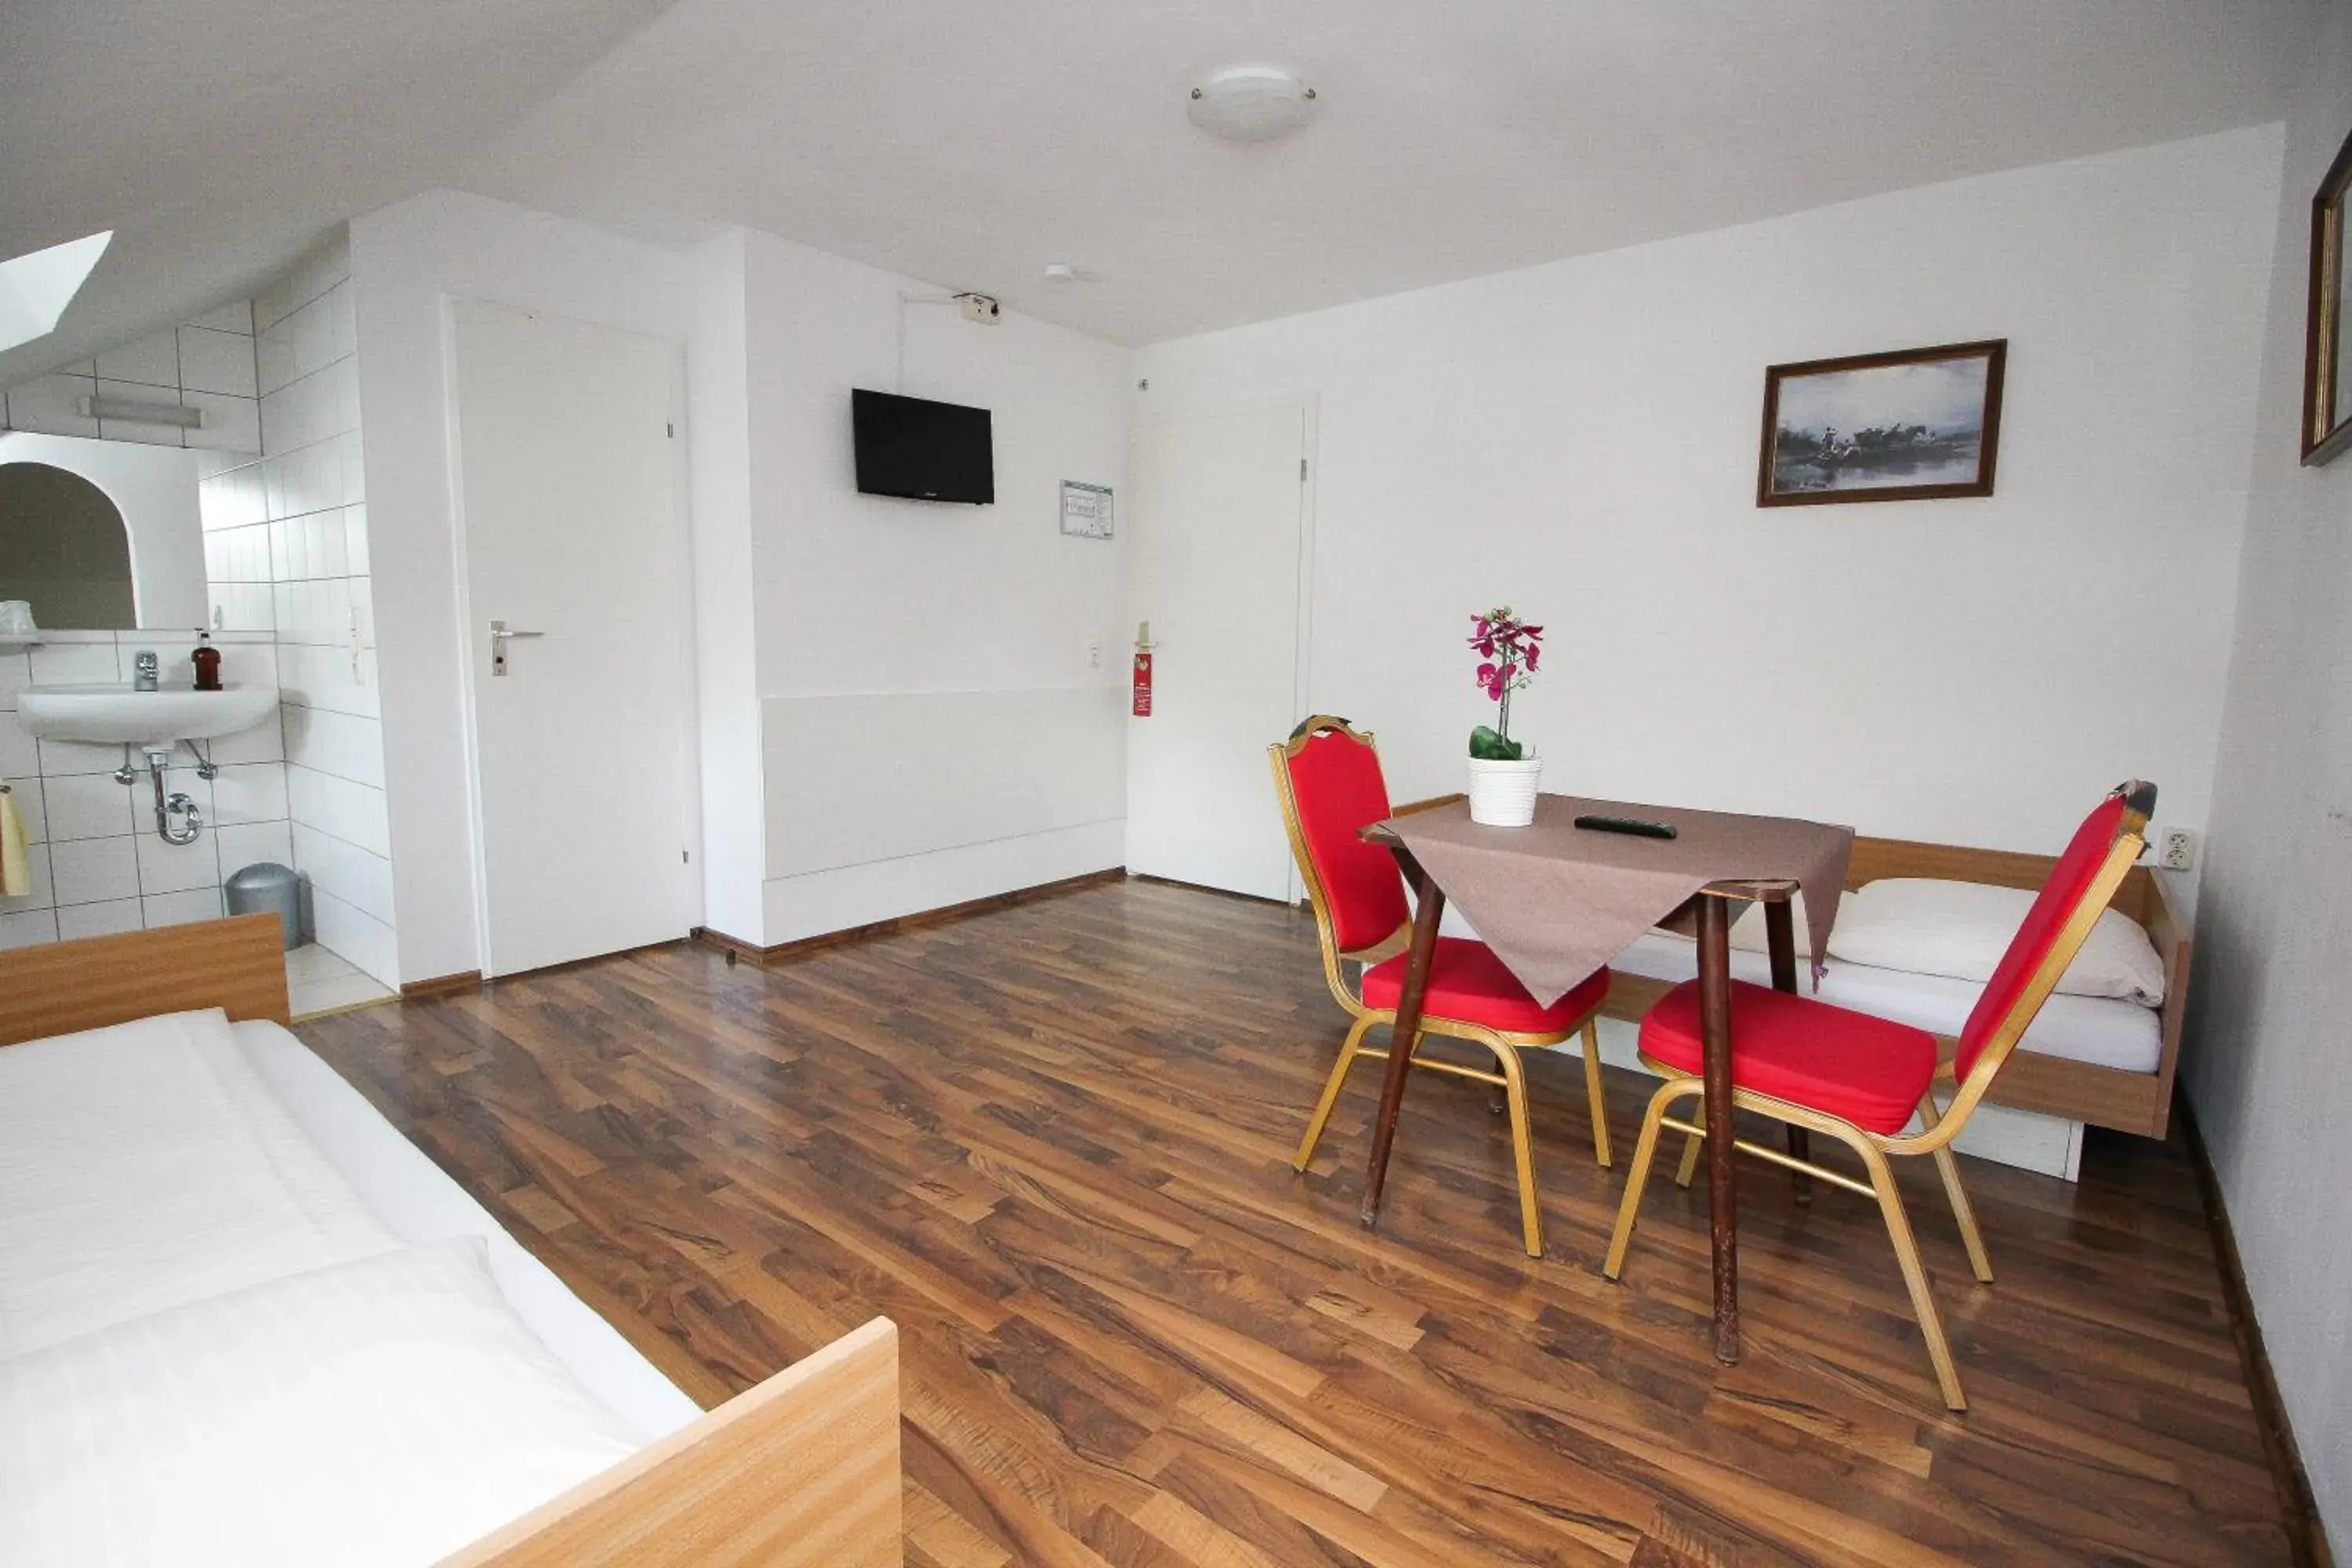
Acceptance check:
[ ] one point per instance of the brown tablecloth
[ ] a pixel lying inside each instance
(1556, 901)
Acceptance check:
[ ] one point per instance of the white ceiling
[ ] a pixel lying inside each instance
(970, 145)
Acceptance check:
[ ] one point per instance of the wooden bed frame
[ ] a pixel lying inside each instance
(2139, 1102)
(801, 1471)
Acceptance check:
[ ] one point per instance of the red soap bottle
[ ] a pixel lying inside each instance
(207, 659)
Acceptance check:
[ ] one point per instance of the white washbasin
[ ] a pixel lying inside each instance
(111, 711)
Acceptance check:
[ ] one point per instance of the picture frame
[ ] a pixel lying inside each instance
(2327, 320)
(1908, 424)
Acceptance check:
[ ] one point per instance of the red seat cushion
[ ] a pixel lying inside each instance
(1871, 1072)
(1469, 985)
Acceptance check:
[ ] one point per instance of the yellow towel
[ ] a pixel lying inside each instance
(15, 875)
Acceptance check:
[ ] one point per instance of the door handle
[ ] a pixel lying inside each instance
(499, 638)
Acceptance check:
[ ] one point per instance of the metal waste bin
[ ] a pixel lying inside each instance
(269, 888)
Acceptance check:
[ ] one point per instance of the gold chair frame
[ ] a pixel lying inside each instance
(1505, 1045)
(1939, 1124)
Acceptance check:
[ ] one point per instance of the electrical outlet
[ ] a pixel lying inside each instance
(981, 309)
(2177, 849)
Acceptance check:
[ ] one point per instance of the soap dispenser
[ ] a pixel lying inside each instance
(207, 660)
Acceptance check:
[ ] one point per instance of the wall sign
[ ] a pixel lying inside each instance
(1086, 509)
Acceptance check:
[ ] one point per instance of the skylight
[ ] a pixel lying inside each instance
(35, 289)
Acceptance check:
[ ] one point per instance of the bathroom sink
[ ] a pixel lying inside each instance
(111, 711)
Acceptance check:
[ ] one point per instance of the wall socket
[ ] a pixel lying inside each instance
(2175, 849)
(981, 309)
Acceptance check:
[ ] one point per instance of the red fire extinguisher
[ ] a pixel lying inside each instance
(1143, 670)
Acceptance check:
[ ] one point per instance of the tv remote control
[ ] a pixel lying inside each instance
(1632, 825)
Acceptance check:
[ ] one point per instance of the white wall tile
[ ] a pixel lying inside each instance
(182, 908)
(176, 867)
(351, 812)
(365, 941)
(216, 361)
(110, 919)
(151, 362)
(59, 660)
(20, 754)
(346, 870)
(29, 928)
(249, 792)
(52, 406)
(40, 864)
(237, 316)
(344, 745)
(16, 674)
(263, 743)
(89, 806)
(252, 843)
(94, 870)
(232, 423)
(60, 757)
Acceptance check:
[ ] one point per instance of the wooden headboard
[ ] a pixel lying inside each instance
(238, 965)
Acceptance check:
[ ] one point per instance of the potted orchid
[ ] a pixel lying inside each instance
(1503, 775)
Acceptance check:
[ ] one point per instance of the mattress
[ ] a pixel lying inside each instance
(417, 1202)
(146, 1166)
(2102, 1031)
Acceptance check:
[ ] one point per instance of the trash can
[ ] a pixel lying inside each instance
(269, 888)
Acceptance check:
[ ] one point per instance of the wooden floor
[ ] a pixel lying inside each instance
(1052, 1143)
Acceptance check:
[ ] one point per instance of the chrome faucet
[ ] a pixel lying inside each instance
(148, 671)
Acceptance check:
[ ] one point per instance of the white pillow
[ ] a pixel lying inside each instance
(1961, 930)
(385, 1411)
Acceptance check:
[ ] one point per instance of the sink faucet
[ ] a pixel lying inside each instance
(148, 671)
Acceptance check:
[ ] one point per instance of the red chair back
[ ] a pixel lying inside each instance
(1331, 780)
(2071, 901)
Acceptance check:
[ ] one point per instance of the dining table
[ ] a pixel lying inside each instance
(1556, 899)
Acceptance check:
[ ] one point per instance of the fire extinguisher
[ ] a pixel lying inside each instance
(1143, 669)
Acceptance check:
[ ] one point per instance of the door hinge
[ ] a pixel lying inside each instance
(1302, 470)
(685, 858)
(671, 430)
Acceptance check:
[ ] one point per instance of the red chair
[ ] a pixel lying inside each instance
(1329, 778)
(1864, 1080)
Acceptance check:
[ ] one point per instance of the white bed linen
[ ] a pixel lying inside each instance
(146, 1165)
(378, 1414)
(2104, 1031)
(419, 1203)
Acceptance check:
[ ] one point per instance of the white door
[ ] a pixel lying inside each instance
(573, 541)
(1220, 560)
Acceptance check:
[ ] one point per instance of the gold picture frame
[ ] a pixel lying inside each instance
(2327, 353)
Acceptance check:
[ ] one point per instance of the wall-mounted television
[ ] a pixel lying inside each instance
(922, 450)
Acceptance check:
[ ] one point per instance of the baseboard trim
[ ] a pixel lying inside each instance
(442, 985)
(2306, 1531)
(736, 948)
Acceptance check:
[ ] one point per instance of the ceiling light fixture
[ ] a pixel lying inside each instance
(1251, 103)
(1060, 272)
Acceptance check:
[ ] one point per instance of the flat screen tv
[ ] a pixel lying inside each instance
(923, 450)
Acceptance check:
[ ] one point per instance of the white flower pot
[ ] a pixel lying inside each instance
(1503, 794)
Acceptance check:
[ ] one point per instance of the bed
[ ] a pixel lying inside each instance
(2098, 1061)
(229, 1286)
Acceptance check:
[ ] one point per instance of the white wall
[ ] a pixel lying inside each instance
(928, 641)
(408, 261)
(1580, 440)
(154, 488)
(2272, 1003)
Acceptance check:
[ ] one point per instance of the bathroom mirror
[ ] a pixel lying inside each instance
(101, 535)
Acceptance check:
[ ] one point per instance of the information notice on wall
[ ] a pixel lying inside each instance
(1086, 509)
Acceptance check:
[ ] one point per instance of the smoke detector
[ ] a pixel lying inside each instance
(1251, 103)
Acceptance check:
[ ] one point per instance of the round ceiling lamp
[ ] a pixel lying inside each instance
(1251, 103)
